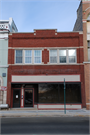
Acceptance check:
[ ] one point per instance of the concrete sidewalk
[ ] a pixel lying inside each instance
(45, 113)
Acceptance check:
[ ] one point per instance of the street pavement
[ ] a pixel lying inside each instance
(46, 113)
(45, 125)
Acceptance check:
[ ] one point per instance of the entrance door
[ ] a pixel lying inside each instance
(28, 98)
(16, 97)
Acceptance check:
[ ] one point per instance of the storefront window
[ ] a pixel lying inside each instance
(48, 93)
(54, 93)
(73, 94)
(61, 93)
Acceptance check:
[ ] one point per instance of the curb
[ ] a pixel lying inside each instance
(44, 115)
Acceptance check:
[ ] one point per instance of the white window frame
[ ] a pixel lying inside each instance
(23, 57)
(15, 56)
(68, 56)
(57, 56)
(33, 63)
(88, 27)
(34, 57)
(31, 57)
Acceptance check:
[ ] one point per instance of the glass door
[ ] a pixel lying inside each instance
(16, 97)
(28, 98)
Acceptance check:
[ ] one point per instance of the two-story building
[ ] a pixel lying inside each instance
(38, 64)
(6, 26)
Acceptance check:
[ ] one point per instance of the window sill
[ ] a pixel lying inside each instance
(47, 64)
(88, 62)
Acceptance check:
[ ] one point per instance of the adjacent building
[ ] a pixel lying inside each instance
(6, 26)
(38, 64)
(83, 24)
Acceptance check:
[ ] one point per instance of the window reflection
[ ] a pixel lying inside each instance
(48, 93)
(51, 93)
(73, 93)
(72, 56)
(28, 56)
(62, 56)
(53, 56)
(61, 93)
(37, 56)
(18, 56)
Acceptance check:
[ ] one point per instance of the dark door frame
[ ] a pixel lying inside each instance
(32, 95)
(19, 98)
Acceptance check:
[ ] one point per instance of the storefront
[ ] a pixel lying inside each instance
(46, 95)
(22, 95)
(38, 64)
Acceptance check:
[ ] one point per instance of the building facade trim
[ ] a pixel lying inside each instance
(45, 78)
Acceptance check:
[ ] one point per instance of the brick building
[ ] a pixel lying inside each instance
(39, 62)
(83, 24)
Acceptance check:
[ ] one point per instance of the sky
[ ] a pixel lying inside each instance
(40, 14)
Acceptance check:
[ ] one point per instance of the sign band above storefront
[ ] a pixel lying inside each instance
(47, 78)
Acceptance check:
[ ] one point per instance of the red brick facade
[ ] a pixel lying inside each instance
(82, 24)
(86, 12)
(46, 39)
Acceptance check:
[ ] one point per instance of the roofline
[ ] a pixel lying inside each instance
(4, 20)
(81, 32)
(45, 29)
(79, 5)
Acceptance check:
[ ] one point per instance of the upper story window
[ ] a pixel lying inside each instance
(88, 43)
(57, 56)
(88, 27)
(88, 50)
(62, 56)
(72, 55)
(53, 56)
(37, 56)
(28, 56)
(88, 54)
(18, 56)
(88, 24)
(88, 32)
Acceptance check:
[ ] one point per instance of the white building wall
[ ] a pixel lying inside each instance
(6, 26)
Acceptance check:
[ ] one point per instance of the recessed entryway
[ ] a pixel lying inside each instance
(28, 98)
